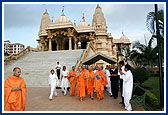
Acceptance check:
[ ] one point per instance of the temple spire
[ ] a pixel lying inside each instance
(63, 11)
(99, 21)
(52, 18)
(75, 22)
(122, 33)
(45, 11)
(83, 17)
(98, 6)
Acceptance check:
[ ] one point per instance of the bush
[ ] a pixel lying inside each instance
(152, 100)
(140, 75)
(154, 75)
(134, 79)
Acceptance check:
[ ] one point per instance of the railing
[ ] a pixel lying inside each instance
(85, 54)
(16, 56)
(79, 58)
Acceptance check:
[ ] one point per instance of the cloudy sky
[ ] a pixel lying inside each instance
(22, 21)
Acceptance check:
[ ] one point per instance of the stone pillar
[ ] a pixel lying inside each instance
(57, 45)
(42, 47)
(75, 43)
(70, 43)
(50, 44)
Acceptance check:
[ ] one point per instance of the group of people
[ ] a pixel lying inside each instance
(87, 82)
(94, 79)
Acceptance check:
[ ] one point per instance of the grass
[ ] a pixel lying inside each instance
(153, 82)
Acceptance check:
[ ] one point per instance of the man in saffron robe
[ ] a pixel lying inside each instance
(72, 80)
(85, 72)
(99, 83)
(104, 75)
(15, 92)
(90, 82)
(80, 84)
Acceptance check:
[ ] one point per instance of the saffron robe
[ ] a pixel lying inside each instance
(72, 80)
(90, 82)
(85, 73)
(100, 83)
(81, 86)
(15, 100)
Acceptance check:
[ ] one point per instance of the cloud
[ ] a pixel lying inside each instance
(22, 21)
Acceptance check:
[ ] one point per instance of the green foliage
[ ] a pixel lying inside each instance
(153, 83)
(152, 100)
(140, 75)
(143, 54)
(150, 21)
(154, 74)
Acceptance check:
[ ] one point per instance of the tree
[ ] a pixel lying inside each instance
(143, 55)
(126, 53)
(140, 75)
(150, 23)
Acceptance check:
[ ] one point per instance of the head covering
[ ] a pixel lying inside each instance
(90, 67)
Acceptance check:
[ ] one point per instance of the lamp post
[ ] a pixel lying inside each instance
(117, 59)
(117, 55)
(159, 59)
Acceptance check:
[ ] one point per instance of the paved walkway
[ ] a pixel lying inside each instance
(37, 100)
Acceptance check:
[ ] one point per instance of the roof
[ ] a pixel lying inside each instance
(97, 57)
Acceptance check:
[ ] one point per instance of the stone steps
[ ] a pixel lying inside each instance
(36, 66)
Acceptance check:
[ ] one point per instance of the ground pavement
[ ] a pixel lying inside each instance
(37, 100)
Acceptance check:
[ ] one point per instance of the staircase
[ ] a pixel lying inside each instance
(36, 66)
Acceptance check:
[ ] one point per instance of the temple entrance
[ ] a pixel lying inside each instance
(67, 45)
(54, 46)
(83, 45)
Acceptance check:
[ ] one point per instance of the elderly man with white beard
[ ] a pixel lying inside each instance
(127, 86)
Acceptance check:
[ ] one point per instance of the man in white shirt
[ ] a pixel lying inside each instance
(58, 68)
(64, 80)
(79, 45)
(108, 79)
(127, 87)
(121, 72)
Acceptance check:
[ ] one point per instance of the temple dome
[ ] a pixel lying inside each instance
(62, 19)
(83, 24)
(125, 39)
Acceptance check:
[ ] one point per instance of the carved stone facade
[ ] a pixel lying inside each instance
(64, 35)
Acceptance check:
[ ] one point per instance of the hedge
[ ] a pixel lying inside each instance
(153, 101)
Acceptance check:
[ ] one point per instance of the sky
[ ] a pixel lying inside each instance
(22, 21)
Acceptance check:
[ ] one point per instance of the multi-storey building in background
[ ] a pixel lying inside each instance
(12, 48)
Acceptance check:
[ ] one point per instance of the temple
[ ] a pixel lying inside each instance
(62, 34)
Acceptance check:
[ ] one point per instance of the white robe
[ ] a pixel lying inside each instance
(127, 89)
(109, 82)
(65, 81)
(52, 81)
(123, 70)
